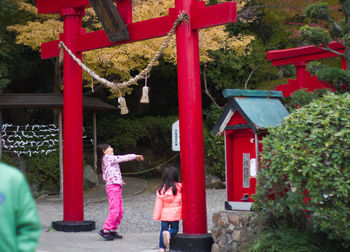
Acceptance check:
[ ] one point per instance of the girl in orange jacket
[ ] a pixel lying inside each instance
(168, 208)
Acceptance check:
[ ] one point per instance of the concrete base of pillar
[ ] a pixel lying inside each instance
(74, 226)
(191, 243)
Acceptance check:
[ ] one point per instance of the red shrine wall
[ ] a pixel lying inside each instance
(238, 143)
(311, 83)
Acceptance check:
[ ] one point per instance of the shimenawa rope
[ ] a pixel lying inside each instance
(116, 87)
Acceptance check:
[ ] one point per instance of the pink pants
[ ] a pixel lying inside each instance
(116, 210)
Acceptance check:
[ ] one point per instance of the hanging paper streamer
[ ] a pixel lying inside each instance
(92, 85)
(30, 140)
(122, 105)
(145, 90)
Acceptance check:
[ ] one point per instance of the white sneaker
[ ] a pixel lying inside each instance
(166, 238)
(161, 250)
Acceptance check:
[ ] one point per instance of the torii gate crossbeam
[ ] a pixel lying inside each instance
(189, 88)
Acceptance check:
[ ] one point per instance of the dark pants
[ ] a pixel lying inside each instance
(165, 225)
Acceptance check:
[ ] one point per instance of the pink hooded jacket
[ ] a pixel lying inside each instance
(168, 207)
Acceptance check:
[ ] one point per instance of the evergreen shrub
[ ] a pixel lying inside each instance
(286, 240)
(301, 98)
(214, 145)
(5, 158)
(305, 167)
(131, 134)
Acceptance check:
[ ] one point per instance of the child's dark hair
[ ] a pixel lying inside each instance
(169, 178)
(100, 152)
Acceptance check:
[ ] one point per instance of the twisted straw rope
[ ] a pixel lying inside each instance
(116, 87)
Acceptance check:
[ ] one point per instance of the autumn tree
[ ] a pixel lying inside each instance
(7, 10)
(329, 29)
(20, 65)
(116, 63)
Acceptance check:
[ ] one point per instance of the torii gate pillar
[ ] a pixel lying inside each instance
(301, 74)
(72, 117)
(191, 125)
(73, 216)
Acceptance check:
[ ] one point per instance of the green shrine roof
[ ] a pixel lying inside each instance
(251, 93)
(263, 112)
(260, 108)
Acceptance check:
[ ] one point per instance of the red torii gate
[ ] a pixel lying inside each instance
(299, 57)
(189, 92)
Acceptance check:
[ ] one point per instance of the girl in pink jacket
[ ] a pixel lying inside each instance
(168, 208)
(109, 163)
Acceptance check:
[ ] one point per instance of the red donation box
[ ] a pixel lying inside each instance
(244, 123)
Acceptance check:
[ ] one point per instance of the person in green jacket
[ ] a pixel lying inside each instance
(20, 226)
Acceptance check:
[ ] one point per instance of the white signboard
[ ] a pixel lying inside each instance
(175, 136)
(253, 167)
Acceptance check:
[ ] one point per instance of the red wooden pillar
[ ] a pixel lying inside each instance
(301, 75)
(191, 125)
(343, 63)
(72, 120)
(124, 8)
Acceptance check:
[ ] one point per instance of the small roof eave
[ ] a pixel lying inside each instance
(251, 93)
(262, 112)
(49, 101)
(259, 108)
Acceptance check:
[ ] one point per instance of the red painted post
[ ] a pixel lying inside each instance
(72, 120)
(301, 75)
(343, 63)
(191, 125)
(124, 8)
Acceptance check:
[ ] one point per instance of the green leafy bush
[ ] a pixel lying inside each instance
(301, 98)
(338, 78)
(43, 171)
(305, 167)
(126, 134)
(214, 145)
(215, 153)
(285, 240)
(5, 158)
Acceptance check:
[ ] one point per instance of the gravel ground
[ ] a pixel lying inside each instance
(138, 211)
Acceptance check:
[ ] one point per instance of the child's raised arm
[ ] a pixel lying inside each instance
(127, 157)
(139, 157)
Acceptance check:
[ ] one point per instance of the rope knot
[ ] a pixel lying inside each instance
(184, 17)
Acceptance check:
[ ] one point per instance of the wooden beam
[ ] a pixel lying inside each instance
(236, 127)
(110, 19)
(306, 53)
(124, 8)
(148, 29)
(213, 15)
(138, 31)
(55, 6)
